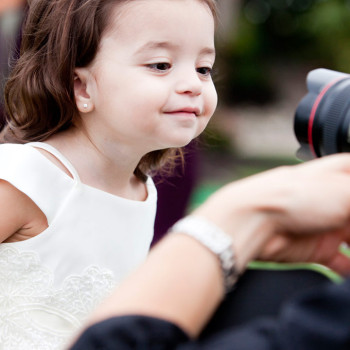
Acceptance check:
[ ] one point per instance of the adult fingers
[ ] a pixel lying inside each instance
(340, 264)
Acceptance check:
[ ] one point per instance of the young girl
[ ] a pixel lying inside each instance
(104, 93)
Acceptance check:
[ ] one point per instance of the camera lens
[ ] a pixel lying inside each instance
(322, 118)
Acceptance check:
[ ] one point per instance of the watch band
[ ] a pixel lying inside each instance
(215, 239)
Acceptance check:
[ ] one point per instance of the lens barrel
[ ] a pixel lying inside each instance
(322, 118)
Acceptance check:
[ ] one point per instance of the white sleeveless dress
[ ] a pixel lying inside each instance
(50, 283)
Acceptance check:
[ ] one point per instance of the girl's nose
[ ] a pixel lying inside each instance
(189, 83)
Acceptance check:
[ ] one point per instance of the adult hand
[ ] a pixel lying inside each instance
(297, 213)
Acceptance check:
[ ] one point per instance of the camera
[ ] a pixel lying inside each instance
(322, 118)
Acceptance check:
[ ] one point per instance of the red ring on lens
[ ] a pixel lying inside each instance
(313, 113)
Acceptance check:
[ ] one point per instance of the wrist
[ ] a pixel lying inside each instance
(250, 230)
(215, 240)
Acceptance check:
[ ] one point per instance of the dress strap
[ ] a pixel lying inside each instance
(57, 154)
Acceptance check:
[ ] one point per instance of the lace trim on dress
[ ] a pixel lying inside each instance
(35, 315)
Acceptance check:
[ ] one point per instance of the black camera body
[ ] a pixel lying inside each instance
(322, 118)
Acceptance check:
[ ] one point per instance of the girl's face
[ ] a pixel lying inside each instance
(149, 86)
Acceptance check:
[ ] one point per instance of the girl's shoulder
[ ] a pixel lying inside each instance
(17, 160)
(20, 158)
(30, 172)
(14, 151)
(23, 218)
(12, 147)
(19, 193)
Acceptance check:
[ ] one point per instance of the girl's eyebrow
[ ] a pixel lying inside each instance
(152, 45)
(157, 45)
(208, 51)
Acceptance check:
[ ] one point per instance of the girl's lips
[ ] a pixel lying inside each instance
(187, 110)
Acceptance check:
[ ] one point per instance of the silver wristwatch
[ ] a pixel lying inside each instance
(215, 239)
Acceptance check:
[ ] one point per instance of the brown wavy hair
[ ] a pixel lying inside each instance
(57, 37)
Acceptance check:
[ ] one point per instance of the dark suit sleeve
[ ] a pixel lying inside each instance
(318, 320)
(131, 332)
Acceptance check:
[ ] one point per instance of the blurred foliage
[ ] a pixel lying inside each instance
(312, 32)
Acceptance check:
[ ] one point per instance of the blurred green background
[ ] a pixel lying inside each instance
(265, 48)
(268, 32)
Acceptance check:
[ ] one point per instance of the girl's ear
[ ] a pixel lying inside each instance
(82, 96)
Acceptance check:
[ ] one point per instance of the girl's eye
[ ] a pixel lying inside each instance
(161, 66)
(205, 71)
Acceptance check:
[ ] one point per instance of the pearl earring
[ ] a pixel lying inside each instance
(85, 105)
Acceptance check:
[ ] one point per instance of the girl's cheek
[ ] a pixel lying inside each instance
(212, 101)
